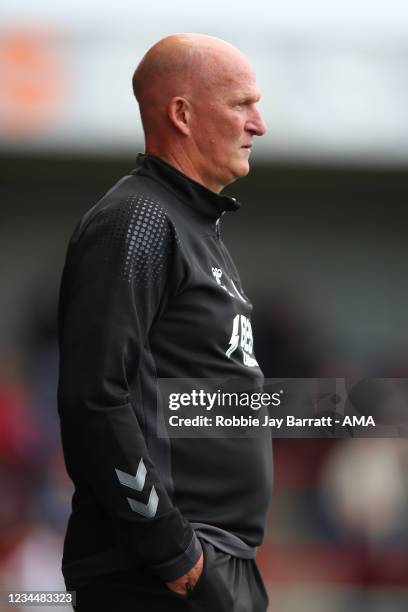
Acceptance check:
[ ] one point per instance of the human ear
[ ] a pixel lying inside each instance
(179, 114)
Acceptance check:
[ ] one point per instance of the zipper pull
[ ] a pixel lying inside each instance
(217, 225)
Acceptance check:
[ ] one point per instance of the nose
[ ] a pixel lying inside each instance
(256, 125)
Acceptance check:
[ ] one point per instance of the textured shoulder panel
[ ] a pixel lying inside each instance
(134, 234)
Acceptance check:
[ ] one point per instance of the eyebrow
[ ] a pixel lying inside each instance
(248, 99)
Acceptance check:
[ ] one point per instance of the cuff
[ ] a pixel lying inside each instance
(171, 570)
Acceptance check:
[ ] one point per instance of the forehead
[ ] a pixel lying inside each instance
(239, 88)
(236, 79)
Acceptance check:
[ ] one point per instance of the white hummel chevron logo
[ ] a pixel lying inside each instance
(137, 483)
(134, 482)
(148, 510)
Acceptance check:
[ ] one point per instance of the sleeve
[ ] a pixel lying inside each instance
(120, 271)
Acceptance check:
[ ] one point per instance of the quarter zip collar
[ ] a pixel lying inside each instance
(193, 194)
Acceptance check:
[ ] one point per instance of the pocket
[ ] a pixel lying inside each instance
(201, 580)
(211, 591)
(200, 584)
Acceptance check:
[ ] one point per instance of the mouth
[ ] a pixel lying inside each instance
(248, 147)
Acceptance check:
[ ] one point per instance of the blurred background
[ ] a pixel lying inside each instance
(320, 242)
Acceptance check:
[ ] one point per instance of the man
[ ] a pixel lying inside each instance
(149, 291)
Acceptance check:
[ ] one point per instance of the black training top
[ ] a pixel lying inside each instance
(149, 291)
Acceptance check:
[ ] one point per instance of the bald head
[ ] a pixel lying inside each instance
(197, 97)
(172, 62)
(181, 65)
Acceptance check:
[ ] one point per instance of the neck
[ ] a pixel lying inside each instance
(180, 160)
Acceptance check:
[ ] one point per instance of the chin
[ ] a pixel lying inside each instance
(242, 169)
(235, 172)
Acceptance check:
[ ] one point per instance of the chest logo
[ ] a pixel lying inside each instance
(217, 274)
(242, 337)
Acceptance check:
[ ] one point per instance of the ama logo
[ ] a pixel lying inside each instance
(362, 421)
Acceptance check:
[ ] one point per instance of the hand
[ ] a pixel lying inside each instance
(186, 583)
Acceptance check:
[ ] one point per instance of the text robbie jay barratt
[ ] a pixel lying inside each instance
(250, 421)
